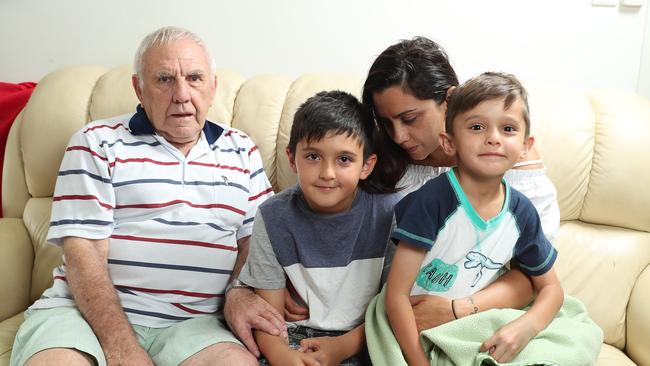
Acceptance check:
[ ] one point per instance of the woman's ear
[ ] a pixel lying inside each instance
(368, 166)
(447, 144)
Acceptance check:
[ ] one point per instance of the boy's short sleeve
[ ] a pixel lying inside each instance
(422, 213)
(262, 269)
(534, 253)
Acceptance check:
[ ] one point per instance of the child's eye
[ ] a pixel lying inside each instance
(476, 127)
(345, 159)
(509, 129)
(312, 156)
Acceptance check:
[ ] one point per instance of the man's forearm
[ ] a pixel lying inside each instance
(242, 253)
(96, 298)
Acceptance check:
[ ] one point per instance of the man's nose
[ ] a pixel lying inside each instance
(181, 92)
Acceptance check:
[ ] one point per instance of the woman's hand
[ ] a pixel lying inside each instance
(431, 311)
(293, 311)
(244, 310)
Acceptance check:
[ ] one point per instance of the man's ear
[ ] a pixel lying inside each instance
(447, 144)
(292, 160)
(528, 144)
(136, 86)
(368, 166)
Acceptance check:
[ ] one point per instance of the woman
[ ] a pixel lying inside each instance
(406, 92)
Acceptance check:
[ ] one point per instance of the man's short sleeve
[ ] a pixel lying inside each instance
(262, 269)
(84, 198)
(259, 189)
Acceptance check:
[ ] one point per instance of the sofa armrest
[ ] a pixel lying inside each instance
(16, 262)
(638, 320)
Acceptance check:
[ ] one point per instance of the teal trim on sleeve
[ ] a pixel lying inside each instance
(414, 237)
(478, 222)
(549, 257)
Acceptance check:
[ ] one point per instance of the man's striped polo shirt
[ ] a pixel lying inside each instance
(173, 221)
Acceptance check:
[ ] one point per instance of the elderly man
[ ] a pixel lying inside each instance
(154, 211)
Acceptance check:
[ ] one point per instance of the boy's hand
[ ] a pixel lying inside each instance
(327, 350)
(506, 344)
(292, 357)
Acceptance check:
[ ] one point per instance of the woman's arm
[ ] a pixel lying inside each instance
(511, 290)
(404, 269)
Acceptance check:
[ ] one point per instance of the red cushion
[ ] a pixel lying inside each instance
(13, 98)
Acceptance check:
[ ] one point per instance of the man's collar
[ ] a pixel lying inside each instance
(139, 124)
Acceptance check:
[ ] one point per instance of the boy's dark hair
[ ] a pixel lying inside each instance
(487, 86)
(421, 68)
(339, 113)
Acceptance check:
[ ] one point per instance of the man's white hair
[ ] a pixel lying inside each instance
(164, 36)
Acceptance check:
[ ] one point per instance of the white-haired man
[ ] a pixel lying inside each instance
(154, 211)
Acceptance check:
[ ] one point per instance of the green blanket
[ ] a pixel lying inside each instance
(571, 338)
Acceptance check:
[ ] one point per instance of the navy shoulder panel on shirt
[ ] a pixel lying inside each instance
(421, 214)
(533, 251)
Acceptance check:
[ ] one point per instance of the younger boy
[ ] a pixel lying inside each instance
(325, 235)
(457, 232)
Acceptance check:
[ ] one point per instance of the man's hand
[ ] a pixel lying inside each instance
(431, 311)
(292, 310)
(244, 310)
(506, 343)
(327, 350)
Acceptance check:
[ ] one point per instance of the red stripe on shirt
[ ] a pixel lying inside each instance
(253, 198)
(175, 241)
(191, 311)
(142, 160)
(175, 292)
(83, 148)
(230, 132)
(115, 127)
(251, 150)
(81, 197)
(219, 166)
(174, 202)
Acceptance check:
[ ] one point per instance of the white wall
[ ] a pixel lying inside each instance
(553, 41)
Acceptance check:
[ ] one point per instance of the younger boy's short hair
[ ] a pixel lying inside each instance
(487, 86)
(335, 112)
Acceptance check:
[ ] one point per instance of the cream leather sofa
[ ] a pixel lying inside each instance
(596, 147)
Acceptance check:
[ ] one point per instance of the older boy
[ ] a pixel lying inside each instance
(328, 235)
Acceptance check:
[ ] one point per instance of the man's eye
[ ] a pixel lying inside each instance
(194, 78)
(165, 79)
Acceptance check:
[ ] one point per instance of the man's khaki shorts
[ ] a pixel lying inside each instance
(64, 327)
